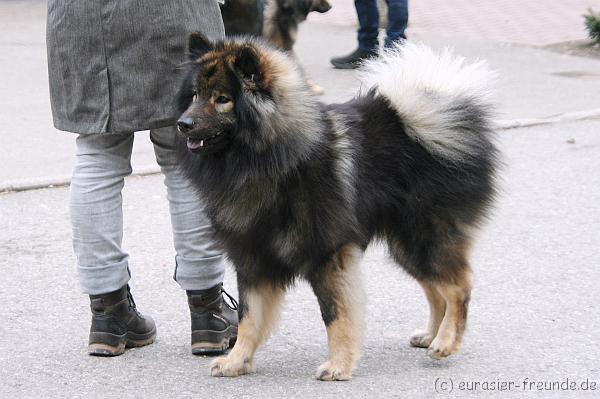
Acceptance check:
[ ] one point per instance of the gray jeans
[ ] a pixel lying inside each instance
(102, 163)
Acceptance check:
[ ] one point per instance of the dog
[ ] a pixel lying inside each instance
(275, 20)
(298, 189)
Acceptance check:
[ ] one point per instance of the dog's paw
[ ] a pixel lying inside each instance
(440, 349)
(422, 339)
(229, 367)
(329, 371)
(315, 88)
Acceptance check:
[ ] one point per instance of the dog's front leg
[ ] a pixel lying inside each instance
(259, 312)
(339, 289)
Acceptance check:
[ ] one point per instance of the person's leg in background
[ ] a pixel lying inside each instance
(397, 21)
(368, 31)
(368, 24)
(102, 162)
(199, 263)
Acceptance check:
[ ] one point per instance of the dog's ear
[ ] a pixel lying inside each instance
(198, 45)
(247, 64)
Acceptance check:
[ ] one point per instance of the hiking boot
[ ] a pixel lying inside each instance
(354, 59)
(117, 324)
(214, 321)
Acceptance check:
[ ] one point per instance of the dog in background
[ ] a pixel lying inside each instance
(298, 189)
(275, 20)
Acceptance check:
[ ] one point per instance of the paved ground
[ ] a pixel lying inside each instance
(535, 305)
(532, 22)
(534, 309)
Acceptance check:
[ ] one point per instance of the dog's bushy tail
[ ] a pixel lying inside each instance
(444, 103)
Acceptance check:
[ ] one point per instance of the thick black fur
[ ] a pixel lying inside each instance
(422, 205)
(243, 17)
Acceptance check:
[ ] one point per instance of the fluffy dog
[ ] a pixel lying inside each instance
(275, 20)
(298, 189)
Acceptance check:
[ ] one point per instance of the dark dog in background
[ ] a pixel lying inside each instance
(243, 17)
(298, 189)
(275, 20)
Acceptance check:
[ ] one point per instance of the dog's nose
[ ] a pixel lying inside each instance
(185, 124)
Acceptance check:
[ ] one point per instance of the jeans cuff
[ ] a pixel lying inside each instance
(199, 274)
(95, 280)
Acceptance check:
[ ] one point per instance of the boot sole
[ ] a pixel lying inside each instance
(210, 343)
(106, 344)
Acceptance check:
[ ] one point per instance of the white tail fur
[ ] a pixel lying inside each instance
(444, 103)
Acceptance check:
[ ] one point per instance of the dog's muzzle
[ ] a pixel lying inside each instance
(185, 124)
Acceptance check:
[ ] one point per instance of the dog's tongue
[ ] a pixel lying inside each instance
(194, 143)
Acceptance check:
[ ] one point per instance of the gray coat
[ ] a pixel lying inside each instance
(113, 64)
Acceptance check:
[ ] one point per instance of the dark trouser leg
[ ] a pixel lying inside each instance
(368, 20)
(397, 21)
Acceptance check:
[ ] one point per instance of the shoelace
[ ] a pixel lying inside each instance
(234, 303)
(132, 302)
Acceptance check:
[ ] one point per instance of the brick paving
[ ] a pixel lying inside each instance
(531, 22)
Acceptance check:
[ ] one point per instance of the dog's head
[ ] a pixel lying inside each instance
(299, 9)
(230, 89)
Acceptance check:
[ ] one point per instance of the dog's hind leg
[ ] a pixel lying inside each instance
(339, 289)
(456, 294)
(437, 309)
(443, 271)
(261, 309)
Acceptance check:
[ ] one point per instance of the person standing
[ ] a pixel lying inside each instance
(112, 72)
(368, 30)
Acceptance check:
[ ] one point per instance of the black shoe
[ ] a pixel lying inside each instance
(214, 321)
(117, 324)
(354, 59)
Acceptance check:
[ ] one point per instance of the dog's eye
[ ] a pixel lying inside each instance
(222, 100)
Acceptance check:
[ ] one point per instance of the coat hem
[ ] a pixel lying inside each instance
(117, 128)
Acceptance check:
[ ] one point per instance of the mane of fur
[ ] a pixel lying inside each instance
(290, 114)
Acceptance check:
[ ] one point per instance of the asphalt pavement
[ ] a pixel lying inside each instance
(534, 312)
(534, 324)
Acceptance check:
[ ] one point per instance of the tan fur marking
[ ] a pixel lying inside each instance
(224, 107)
(437, 309)
(450, 334)
(345, 333)
(263, 308)
(211, 63)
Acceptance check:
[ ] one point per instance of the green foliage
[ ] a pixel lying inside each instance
(592, 24)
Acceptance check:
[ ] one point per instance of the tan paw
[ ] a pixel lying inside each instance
(227, 366)
(422, 339)
(315, 88)
(329, 371)
(440, 349)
